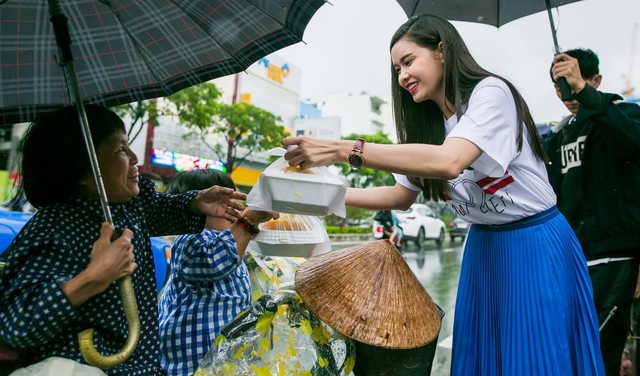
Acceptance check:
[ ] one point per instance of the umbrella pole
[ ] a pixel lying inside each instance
(125, 287)
(565, 88)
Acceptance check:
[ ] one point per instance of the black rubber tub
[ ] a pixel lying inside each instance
(379, 361)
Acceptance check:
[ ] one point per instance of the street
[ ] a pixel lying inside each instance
(438, 269)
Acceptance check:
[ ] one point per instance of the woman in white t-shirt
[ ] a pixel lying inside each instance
(524, 303)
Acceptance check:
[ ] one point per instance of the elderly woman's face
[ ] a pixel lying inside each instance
(118, 167)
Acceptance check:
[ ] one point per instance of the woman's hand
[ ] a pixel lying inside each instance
(109, 262)
(218, 202)
(308, 152)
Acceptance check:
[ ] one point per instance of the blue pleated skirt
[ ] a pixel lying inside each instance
(525, 303)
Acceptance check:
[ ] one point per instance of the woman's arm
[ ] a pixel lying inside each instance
(381, 198)
(185, 213)
(444, 161)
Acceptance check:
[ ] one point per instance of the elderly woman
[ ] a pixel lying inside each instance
(59, 278)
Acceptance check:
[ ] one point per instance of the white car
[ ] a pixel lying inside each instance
(418, 223)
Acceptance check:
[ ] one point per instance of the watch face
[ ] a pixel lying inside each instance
(355, 160)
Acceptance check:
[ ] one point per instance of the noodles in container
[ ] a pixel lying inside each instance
(292, 236)
(285, 189)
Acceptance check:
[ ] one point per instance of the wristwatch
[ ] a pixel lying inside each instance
(356, 157)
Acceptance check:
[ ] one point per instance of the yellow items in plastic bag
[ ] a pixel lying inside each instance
(278, 336)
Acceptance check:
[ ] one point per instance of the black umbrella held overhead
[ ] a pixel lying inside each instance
(494, 12)
(119, 51)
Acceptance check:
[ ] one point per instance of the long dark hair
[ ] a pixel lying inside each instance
(424, 122)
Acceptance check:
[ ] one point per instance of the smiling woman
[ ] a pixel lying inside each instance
(68, 257)
(467, 137)
(118, 164)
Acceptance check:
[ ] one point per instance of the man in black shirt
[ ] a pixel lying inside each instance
(594, 169)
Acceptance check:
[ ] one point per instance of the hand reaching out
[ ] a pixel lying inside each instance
(218, 202)
(313, 152)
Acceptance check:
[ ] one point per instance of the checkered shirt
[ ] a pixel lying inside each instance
(55, 246)
(209, 286)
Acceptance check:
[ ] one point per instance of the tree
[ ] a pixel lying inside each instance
(244, 127)
(140, 113)
(366, 177)
(362, 178)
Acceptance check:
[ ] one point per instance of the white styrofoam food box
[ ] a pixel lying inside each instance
(314, 195)
(292, 243)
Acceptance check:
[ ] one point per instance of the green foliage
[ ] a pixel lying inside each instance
(243, 126)
(347, 230)
(140, 113)
(197, 106)
(367, 177)
(355, 217)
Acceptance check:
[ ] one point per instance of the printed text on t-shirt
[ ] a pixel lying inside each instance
(486, 190)
(572, 154)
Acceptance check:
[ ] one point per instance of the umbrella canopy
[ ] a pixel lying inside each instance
(113, 52)
(493, 12)
(131, 50)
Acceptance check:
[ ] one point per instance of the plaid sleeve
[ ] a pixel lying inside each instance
(209, 255)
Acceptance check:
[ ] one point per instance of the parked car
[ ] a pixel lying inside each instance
(458, 228)
(418, 223)
(11, 222)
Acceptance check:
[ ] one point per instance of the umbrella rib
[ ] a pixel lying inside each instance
(414, 8)
(136, 45)
(207, 33)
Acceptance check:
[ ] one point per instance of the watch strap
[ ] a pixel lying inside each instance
(359, 145)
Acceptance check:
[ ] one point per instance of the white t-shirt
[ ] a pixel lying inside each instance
(502, 185)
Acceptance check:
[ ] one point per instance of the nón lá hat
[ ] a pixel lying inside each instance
(368, 292)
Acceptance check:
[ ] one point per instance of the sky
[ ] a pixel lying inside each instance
(346, 48)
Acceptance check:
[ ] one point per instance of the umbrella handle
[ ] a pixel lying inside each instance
(565, 89)
(85, 338)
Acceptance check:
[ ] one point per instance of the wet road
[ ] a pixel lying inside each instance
(438, 269)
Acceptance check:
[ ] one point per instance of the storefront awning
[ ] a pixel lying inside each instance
(245, 176)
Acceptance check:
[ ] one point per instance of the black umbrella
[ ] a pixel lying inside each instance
(494, 12)
(119, 51)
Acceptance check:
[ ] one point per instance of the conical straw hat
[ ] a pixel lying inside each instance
(369, 293)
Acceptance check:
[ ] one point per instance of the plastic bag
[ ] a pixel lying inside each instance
(56, 366)
(269, 274)
(278, 335)
(286, 189)
(292, 236)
